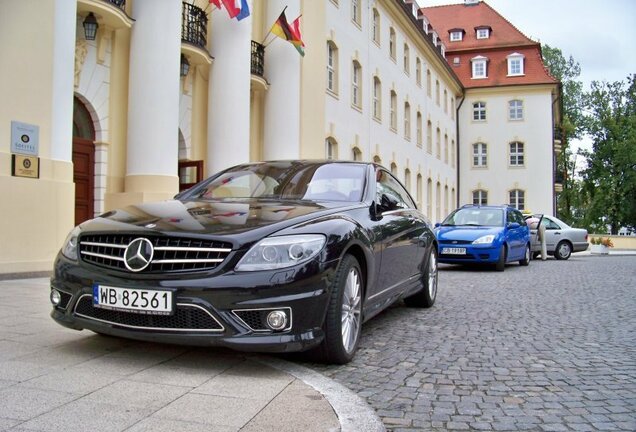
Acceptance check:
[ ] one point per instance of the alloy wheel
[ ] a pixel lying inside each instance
(351, 306)
(432, 275)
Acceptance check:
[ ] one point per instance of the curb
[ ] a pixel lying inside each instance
(354, 414)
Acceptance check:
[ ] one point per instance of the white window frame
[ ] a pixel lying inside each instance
(516, 64)
(518, 200)
(482, 33)
(480, 155)
(356, 84)
(407, 59)
(516, 150)
(377, 98)
(376, 26)
(515, 110)
(392, 44)
(480, 197)
(418, 125)
(332, 67)
(407, 121)
(456, 36)
(393, 121)
(331, 149)
(418, 71)
(479, 66)
(479, 111)
(356, 12)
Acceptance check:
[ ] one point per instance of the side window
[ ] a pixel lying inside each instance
(386, 183)
(549, 225)
(519, 218)
(510, 217)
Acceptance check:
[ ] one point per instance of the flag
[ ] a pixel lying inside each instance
(216, 3)
(290, 33)
(236, 8)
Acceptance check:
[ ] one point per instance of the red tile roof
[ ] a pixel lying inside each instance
(504, 40)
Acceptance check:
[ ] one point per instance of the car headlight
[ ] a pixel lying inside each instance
(485, 239)
(280, 252)
(69, 249)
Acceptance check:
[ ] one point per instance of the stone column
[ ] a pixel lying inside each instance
(229, 92)
(153, 102)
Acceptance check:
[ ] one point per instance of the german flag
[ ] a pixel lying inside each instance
(290, 33)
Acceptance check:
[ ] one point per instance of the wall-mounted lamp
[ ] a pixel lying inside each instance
(90, 26)
(185, 66)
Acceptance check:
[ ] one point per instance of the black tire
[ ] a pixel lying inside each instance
(563, 250)
(333, 349)
(425, 297)
(526, 257)
(501, 264)
(535, 255)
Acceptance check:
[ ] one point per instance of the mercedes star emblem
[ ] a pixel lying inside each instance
(138, 254)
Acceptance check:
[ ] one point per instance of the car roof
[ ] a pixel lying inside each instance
(488, 206)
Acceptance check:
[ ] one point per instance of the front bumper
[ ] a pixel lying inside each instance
(210, 309)
(486, 254)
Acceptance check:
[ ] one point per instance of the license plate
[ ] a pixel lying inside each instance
(149, 302)
(454, 251)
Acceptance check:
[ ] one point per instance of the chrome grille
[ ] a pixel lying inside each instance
(187, 317)
(171, 254)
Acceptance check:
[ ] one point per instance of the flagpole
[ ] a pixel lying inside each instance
(270, 29)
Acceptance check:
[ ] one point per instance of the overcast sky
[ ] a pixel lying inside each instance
(599, 34)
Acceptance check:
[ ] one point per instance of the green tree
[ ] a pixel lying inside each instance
(610, 176)
(567, 72)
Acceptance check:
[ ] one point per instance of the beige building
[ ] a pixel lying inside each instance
(168, 92)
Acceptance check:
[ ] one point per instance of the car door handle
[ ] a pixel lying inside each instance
(557, 233)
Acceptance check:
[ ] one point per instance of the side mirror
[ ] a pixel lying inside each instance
(437, 224)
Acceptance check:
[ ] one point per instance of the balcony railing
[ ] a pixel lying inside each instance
(194, 25)
(258, 59)
(121, 4)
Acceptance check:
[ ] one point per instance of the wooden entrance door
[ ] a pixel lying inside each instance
(83, 177)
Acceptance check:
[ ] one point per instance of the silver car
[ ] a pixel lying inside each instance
(561, 239)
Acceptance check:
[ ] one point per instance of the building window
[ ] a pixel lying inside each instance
(480, 197)
(480, 155)
(418, 191)
(376, 26)
(456, 36)
(428, 82)
(332, 67)
(445, 148)
(518, 199)
(331, 148)
(407, 121)
(393, 111)
(418, 71)
(407, 179)
(394, 169)
(438, 144)
(483, 33)
(515, 64)
(479, 111)
(516, 154)
(445, 102)
(356, 85)
(515, 110)
(437, 92)
(479, 67)
(453, 154)
(356, 12)
(356, 154)
(429, 198)
(438, 202)
(392, 43)
(429, 137)
(377, 98)
(445, 200)
(419, 129)
(407, 60)
(452, 109)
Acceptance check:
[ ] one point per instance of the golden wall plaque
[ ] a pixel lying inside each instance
(25, 166)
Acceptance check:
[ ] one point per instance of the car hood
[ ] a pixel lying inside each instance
(247, 218)
(465, 233)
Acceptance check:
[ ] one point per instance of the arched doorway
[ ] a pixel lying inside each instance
(83, 162)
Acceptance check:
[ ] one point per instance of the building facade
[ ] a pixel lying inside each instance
(167, 92)
(509, 112)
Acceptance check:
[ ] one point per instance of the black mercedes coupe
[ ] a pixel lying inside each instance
(274, 256)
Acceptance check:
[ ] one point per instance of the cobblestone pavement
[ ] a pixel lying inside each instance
(549, 347)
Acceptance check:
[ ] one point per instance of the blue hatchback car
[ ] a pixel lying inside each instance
(484, 234)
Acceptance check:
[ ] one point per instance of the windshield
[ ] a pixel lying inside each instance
(475, 217)
(286, 181)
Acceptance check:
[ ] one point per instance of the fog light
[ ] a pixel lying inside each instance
(56, 297)
(277, 320)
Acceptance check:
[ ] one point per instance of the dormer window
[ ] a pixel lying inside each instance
(515, 64)
(482, 32)
(456, 35)
(479, 65)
